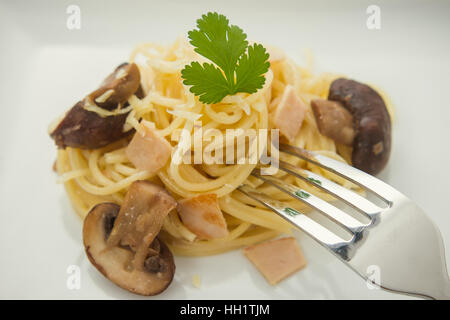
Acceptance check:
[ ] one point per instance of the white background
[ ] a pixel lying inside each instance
(45, 68)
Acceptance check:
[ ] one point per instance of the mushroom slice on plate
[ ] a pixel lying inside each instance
(122, 242)
(371, 121)
(83, 127)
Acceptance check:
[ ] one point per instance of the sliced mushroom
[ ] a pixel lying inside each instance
(82, 128)
(141, 217)
(122, 243)
(371, 121)
(333, 120)
(85, 129)
(117, 87)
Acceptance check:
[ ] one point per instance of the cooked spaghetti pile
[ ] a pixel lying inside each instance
(94, 176)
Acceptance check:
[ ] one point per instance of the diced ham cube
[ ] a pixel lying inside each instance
(289, 114)
(276, 259)
(147, 150)
(202, 215)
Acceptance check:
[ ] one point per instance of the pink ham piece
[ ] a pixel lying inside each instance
(202, 215)
(289, 114)
(276, 259)
(147, 150)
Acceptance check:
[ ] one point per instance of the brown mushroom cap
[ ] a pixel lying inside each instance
(115, 262)
(371, 121)
(81, 128)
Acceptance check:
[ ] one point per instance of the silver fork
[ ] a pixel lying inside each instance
(399, 238)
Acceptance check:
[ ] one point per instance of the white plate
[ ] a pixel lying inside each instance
(45, 68)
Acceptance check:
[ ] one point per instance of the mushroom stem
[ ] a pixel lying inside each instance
(121, 242)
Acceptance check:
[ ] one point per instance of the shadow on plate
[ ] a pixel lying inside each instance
(71, 221)
(174, 291)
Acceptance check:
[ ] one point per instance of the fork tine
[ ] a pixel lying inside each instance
(348, 222)
(383, 190)
(351, 198)
(322, 235)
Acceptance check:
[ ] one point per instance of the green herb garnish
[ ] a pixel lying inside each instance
(315, 181)
(291, 212)
(302, 194)
(238, 66)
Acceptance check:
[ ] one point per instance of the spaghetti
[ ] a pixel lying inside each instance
(94, 176)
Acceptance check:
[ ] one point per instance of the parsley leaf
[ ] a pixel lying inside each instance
(207, 81)
(250, 68)
(239, 68)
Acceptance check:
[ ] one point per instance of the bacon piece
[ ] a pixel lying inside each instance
(202, 215)
(289, 114)
(276, 259)
(147, 150)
